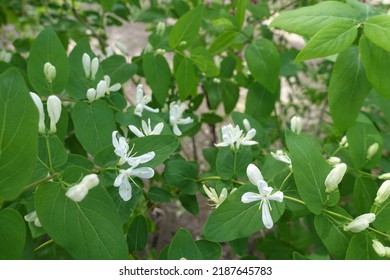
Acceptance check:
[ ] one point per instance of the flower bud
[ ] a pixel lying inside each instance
(334, 177)
(50, 71)
(333, 160)
(360, 223)
(101, 89)
(32, 217)
(54, 111)
(371, 151)
(90, 181)
(77, 193)
(38, 103)
(91, 94)
(160, 28)
(94, 67)
(383, 192)
(217, 80)
(384, 176)
(378, 248)
(296, 124)
(246, 124)
(160, 52)
(87, 65)
(344, 142)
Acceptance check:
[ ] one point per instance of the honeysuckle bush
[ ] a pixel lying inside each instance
(82, 166)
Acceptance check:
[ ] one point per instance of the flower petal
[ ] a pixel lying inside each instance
(158, 129)
(176, 130)
(136, 131)
(278, 196)
(125, 190)
(249, 197)
(142, 172)
(266, 215)
(254, 174)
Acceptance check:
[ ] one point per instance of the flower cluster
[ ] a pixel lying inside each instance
(233, 136)
(264, 195)
(79, 191)
(122, 150)
(141, 100)
(360, 223)
(176, 110)
(53, 109)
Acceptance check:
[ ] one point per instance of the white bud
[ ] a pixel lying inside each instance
(296, 124)
(148, 48)
(344, 142)
(94, 67)
(90, 181)
(101, 89)
(217, 80)
(334, 177)
(333, 160)
(247, 125)
(32, 217)
(38, 103)
(183, 44)
(50, 71)
(360, 223)
(379, 248)
(54, 111)
(160, 52)
(87, 65)
(383, 192)
(372, 150)
(160, 28)
(77, 193)
(384, 176)
(91, 94)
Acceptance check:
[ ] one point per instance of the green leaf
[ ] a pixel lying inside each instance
(223, 41)
(263, 61)
(190, 203)
(18, 134)
(331, 39)
(107, 4)
(382, 221)
(330, 230)
(94, 123)
(52, 151)
(158, 76)
(348, 88)
(12, 234)
(234, 219)
(260, 102)
(47, 48)
(240, 11)
(360, 248)
(137, 236)
(364, 193)
(124, 208)
(187, 79)
(159, 195)
(230, 163)
(182, 174)
(209, 250)
(183, 246)
(377, 29)
(360, 137)
(309, 169)
(376, 62)
(309, 20)
(90, 229)
(230, 95)
(186, 28)
(118, 69)
(204, 61)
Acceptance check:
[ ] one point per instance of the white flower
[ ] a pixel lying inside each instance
(372, 150)
(101, 89)
(91, 94)
(379, 248)
(296, 124)
(32, 217)
(176, 110)
(147, 129)
(264, 195)
(334, 177)
(360, 223)
(333, 160)
(50, 71)
(141, 101)
(281, 156)
(90, 67)
(343, 142)
(383, 192)
(121, 147)
(54, 111)
(109, 88)
(38, 103)
(213, 196)
(234, 137)
(122, 180)
(79, 191)
(384, 176)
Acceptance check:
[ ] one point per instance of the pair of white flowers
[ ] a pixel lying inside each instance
(234, 137)
(265, 194)
(122, 150)
(360, 223)
(79, 191)
(50, 72)
(382, 251)
(53, 109)
(103, 87)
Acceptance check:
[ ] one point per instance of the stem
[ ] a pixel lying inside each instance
(210, 178)
(294, 199)
(285, 180)
(32, 185)
(44, 245)
(48, 151)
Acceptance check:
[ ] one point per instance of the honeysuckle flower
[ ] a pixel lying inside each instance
(379, 248)
(296, 124)
(79, 191)
(101, 89)
(141, 101)
(281, 156)
(360, 223)
(50, 72)
(91, 94)
(264, 195)
(176, 110)
(333, 160)
(111, 88)
(234, 137)
(38, 103)
(383, 193)
(54, 111)
(90, 67)
(147, 129)
(343, 142)
(214, 197)
(121, 147)
(334, 177)
(160, 28)
(372, 150)
(32, 217)
(384, 176)
(246, 124)
(122, 180)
